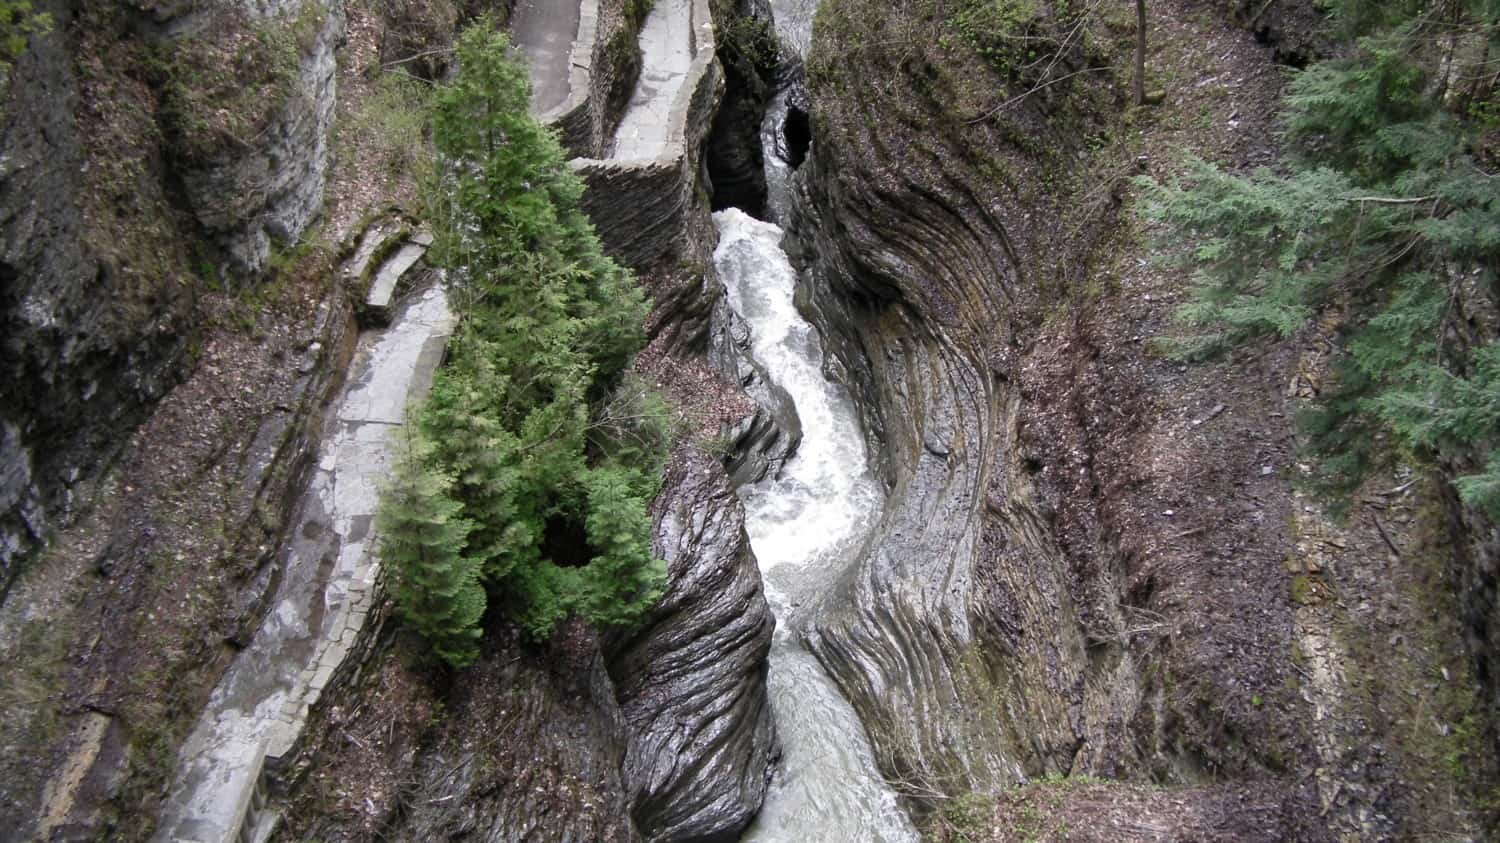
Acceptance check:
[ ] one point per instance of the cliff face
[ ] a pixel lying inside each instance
(93, 326)
(250, 192)
(1093, 560)
(692, 681)
(124, 177)
(953, 636)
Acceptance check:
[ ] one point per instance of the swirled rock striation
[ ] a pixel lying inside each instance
(952, 634)
(692, 682)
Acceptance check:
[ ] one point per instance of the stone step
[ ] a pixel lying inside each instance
(387, 278)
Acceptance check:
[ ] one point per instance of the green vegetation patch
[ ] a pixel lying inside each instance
(1021, 39)
(1387, 213)
(529, 469)
(390, 122)
(19, 20)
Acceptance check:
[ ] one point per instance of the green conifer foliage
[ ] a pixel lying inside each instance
(1384, 210)
(422, 540)
(548, 451)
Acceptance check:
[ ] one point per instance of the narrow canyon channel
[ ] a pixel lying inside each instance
(806, 520)
(803, 524)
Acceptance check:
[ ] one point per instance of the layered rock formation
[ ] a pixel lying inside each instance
(251, 193)
(119, 167)
(1086, 564)
(952, 636)
(92, 304)
(692, 681)
(545, 765)
(750, 55)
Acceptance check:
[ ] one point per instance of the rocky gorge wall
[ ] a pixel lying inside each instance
(250, 192)
(1086, 565)
(966, 678)
(114, 196)
(168, 573)
(662, 733)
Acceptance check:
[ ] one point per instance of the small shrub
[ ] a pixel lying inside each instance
(391, 123)
(1009, 34)
(752, 38)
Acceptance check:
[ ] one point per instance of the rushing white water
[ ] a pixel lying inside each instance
(803, 524)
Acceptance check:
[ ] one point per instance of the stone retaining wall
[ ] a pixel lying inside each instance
(646, 211)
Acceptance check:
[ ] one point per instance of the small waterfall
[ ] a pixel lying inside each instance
(804, 524)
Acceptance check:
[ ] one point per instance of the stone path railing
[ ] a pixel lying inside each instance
(641, 205)
(639, 198)
(572, 115)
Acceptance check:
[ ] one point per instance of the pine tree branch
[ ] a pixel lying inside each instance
(1391, 200)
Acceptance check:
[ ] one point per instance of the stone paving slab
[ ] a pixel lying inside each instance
(383, 288)
(545, 31)
(667, 51)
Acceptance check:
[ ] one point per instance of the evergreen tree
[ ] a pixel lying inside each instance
(422, 539)
(527, 433)
(1383, 210)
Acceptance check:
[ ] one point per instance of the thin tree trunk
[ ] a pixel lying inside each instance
(1140, 52)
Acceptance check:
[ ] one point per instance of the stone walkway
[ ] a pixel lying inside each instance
(259, 707)
(544, 30)
(667, 56)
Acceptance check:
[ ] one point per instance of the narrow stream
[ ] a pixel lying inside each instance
(802, 525)
(805, 522)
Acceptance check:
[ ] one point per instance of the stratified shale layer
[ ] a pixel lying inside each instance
(692, 682)
(953, 635)
(546, 766)
(986, 634)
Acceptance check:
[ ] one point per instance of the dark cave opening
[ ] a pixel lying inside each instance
(796, 131)
(566, 542)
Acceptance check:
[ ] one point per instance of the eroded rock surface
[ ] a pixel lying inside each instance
(962, 682)
(762, 442)
(91, 310)
(692, 682)
(546, 763)
(267, 189)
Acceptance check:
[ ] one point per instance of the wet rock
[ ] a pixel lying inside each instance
(692, 681)
(736, 164)
(758, 447)
(761, 443)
